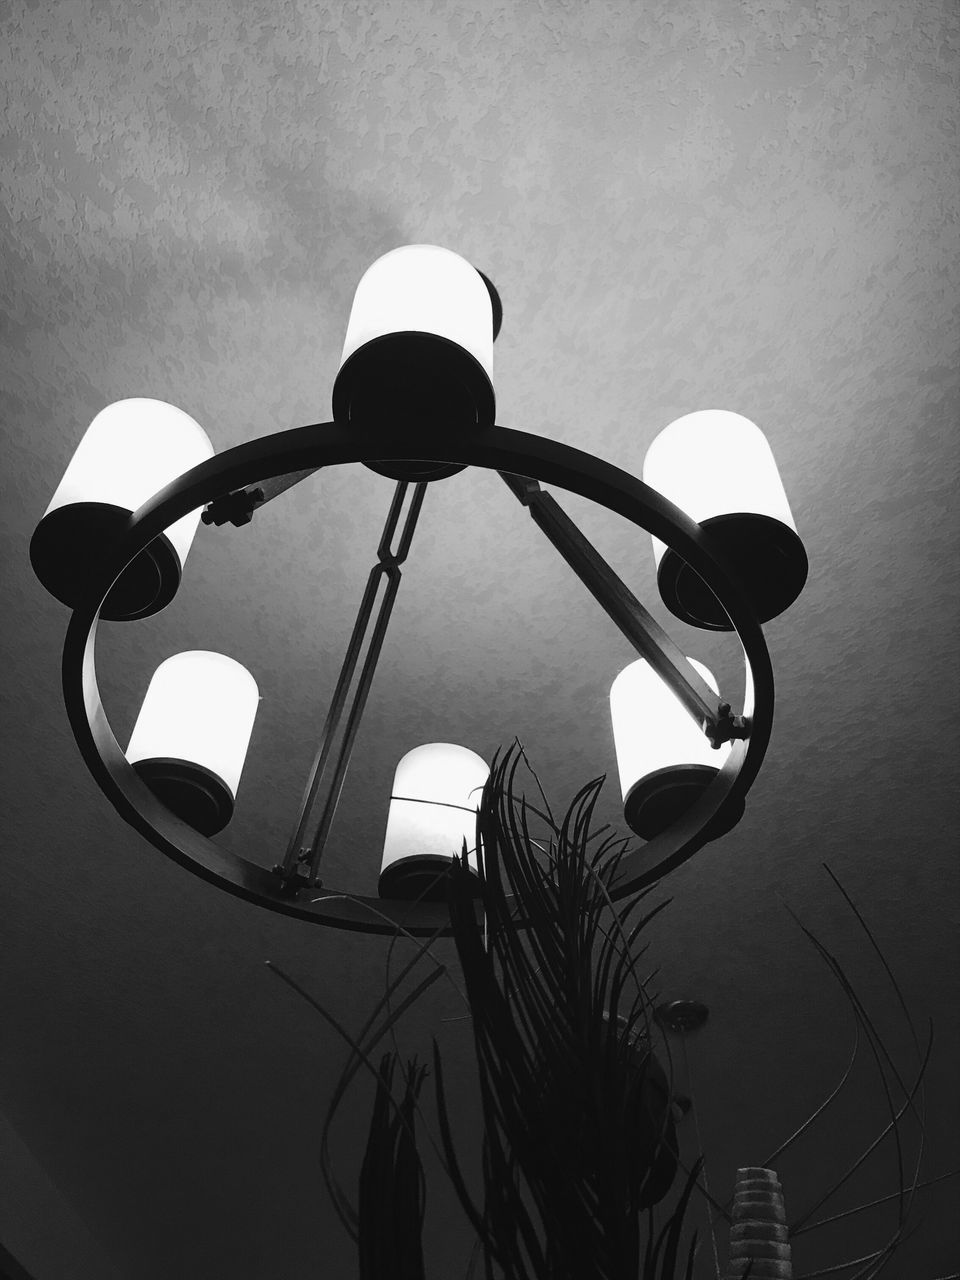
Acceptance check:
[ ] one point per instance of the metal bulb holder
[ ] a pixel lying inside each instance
(664, 759)
(196, 795)
(190, 739)
(658, 800)
(718, 467)
(424, 878)
(130, 449)
(437, 788)
(419, 350)
(70, 544)
(770, 561)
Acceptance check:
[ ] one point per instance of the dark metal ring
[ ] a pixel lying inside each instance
(325, 444)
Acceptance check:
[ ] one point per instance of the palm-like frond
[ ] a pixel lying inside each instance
(579, 1141)
(392, 1192)
(893, 1083)
(360, 1050)
(579, 1134)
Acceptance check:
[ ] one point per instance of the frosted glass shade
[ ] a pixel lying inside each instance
(419, 348)
(190, 739)
(130, 451)
(719, 469)
(433, 809)
(664, 758)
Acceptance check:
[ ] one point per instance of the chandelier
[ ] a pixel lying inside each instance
(414, 401)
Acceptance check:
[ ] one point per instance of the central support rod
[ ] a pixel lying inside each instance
(329, 769)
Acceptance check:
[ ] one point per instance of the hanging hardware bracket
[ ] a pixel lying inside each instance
(622, 606)
(233, 508)
(237, 508)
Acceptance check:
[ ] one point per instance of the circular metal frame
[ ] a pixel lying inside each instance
(327, 444)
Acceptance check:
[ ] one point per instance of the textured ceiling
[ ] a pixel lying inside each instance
(751, 206)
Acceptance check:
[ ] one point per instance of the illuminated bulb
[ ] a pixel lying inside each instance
(190, 739)
(130, 451)
(437, 790)
(719, 469)
(419, 349)
(664, 758)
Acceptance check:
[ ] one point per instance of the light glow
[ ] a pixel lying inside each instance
(714, 463)
(425, 289)
(433, 808)
(131, 450)
(652, 729)
(199, 707)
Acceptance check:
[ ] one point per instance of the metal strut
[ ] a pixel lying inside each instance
(301, 853)
(640, 628)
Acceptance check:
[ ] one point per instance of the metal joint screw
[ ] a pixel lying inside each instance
(728, 726)
(291, 882)
(237, 508)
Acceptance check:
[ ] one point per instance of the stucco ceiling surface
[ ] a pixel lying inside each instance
(749, 206)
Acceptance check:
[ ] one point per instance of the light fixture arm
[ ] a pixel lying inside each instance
(623, 608)
(387, 569)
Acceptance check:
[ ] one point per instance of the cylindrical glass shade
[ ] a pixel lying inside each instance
(190, 739)
(718, 468)
(419, 347)
(664, 758)
(433, 809)
(131, 449)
